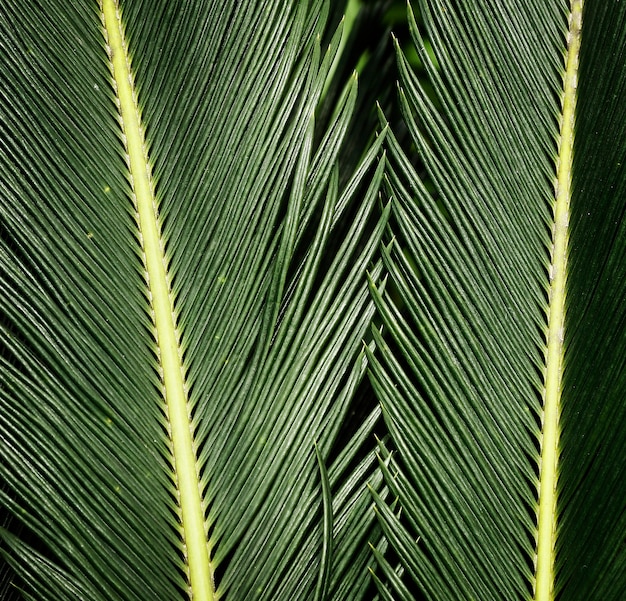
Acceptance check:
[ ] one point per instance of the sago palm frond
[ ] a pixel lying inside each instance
(183, 303)
(501, 376)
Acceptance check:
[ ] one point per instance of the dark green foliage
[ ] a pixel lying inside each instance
(318, 228)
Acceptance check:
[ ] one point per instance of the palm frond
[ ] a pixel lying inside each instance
(189, 205)
(262, 286)
(462, 371)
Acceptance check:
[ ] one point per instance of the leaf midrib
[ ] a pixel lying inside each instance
(195, 545)
(548, 469)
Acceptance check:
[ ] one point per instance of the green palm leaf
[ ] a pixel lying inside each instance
(188, 208)
(501, 378)
(183, 304)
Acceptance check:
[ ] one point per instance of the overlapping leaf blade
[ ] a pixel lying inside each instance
(459, 374)
(270, 323)
(460, 379)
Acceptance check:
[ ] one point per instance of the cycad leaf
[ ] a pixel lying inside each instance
(183, 301)
(464, 374)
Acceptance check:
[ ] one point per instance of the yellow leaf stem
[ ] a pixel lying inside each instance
(548, 468)
(196, 547)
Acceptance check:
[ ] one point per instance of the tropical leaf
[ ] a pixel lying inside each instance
(183, 304)
(189, 202)
(501, 377)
